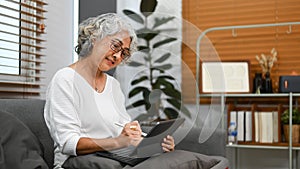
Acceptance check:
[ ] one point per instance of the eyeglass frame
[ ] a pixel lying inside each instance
(116, 46)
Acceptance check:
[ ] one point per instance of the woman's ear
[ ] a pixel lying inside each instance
(93, 41)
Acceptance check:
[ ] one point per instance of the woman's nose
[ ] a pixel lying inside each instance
(117, 55)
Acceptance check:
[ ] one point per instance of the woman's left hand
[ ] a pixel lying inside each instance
(168, 144)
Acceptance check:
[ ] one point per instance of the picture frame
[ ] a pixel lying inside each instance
(225, 77)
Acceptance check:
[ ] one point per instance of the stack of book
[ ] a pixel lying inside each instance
(266, 127)
(265, 124)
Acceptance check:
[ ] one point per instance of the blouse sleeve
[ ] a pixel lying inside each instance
(60, 113)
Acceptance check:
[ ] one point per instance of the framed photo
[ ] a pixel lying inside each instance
(225, 77)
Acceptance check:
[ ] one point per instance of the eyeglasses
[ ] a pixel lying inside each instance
(116, 46)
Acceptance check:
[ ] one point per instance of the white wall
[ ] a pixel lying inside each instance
(59, 37)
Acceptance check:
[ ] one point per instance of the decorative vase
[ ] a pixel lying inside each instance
(257, 83)
(268, 83)
(296, 131)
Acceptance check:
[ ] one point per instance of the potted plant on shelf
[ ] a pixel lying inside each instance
(153, 87)
(295, 124)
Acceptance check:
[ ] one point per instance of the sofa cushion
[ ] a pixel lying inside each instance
(31, 113)
(19, 148)
(91, 161)
(178, 159)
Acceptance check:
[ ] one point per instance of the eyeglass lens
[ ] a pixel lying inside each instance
(116, 47)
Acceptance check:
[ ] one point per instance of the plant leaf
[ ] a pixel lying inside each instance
(163, 67)
(162, 82)
(146, 33)
(134, 64)
(136, 81)
(134, 16)
(147, 59)
(185, 111)
(179, 106)
(175, 103)
(295, 116)
(147, 7)
(163, 58)
(146, 94)
(164, 42)
(166, 77)
(172, 92)
(144, 49)
(136, 91)
(171, 113)
(160, 21)
(136, 104)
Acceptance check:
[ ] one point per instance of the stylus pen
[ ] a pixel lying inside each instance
(121, 125)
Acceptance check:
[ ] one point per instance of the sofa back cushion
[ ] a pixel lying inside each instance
(19, 148)
(30, 112)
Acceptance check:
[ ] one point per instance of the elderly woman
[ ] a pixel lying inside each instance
(83, 103)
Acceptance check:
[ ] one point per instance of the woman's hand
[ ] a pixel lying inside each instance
(131, 134)
(168, 144)
(132, 129)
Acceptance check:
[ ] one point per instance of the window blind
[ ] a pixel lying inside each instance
(243, 44)
(21, 48)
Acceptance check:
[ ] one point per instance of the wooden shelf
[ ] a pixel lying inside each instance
(282, 144)
(266, 98)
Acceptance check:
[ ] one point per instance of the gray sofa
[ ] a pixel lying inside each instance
(23, 119)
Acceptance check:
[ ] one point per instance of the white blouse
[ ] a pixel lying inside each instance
(74, 109)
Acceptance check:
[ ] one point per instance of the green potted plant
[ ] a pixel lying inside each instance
(285, 116)
(153, 88)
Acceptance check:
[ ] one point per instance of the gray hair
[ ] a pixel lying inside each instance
(96, 28)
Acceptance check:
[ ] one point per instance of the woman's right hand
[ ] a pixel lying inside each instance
(131, 134)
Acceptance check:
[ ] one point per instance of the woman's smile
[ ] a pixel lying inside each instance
(110, 61)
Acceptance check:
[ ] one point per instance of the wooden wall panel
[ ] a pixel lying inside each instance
(248, 43)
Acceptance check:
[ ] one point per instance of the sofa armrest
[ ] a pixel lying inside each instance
(214, 145)
(31, 113)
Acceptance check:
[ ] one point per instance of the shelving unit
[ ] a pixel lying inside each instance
(251, 145)
(281, 146)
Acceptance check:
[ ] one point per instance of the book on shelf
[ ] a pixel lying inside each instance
(233, 117)
(275, 127)
(248, 126)
(243, 121)
(240, 125)
(260, 125)
(266, 127)
(256, 126)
